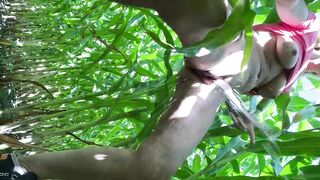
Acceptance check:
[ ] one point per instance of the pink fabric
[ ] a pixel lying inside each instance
(304, 35)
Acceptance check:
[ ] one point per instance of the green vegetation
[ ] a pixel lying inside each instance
(92, 72)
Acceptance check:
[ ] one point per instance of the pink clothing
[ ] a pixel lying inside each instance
(304, 35)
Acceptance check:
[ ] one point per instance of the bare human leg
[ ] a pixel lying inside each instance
(179, 131)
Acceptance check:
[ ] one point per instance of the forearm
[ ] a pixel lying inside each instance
(292, 12)
(180, 129)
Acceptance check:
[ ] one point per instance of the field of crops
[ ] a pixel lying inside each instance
(75, 73)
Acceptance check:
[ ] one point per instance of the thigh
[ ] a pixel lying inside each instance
(88, 163)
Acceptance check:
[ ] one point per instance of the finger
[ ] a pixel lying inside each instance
(247, 123)
(244, 124)
(287, 51)
(274, 87)
(236, 122)
(241, 118)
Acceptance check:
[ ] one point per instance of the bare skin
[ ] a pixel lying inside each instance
(180, 128)
(192, 20)
(179, 131)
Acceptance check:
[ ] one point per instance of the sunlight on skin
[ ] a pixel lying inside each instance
(185, 108)
(227, 90)
(188, 103)
(203, 52)
(100, 157)
(264, 37)
(205, 90)
(232, 61)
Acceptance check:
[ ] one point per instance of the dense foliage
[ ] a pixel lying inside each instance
(92, 72)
